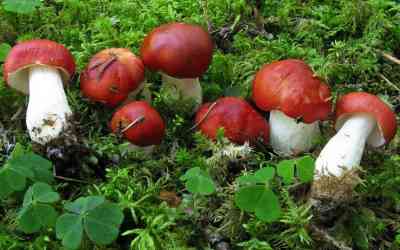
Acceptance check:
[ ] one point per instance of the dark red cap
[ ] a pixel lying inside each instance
(240, 121)
(365, 103)
(36, 52)
(178, 49)
(291, 87)
(111, 75)
(149, 128)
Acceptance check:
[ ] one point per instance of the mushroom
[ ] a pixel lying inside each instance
(40, 68)
(140, 124)
(297, 99)
(361, 118)
(111, 75)
(240, 121)
(182, 52)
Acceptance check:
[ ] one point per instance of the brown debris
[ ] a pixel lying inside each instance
(331, 195)
(340, 189)
(172, 199)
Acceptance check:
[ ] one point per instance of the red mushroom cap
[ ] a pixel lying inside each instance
(36, 52)
(240, 121)
(291, 87)
(178, 49)
(146, 132)
(365, 103)
(111, 75)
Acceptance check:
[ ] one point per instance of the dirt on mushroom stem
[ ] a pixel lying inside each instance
(67, 135)
(330, 194)
(67, 152)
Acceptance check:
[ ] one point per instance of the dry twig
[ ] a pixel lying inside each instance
(390, 57)
(328, 238)
(389, 82)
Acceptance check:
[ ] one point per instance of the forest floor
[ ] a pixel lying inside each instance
(346, 43)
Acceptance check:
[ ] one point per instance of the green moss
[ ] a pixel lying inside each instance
(340, 40)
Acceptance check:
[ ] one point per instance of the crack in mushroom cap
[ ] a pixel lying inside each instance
(111, 75)
(149, 131)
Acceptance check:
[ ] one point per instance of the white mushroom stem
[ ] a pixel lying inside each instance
(289, 137)
(188, 87)
(344, 151)
(48, 108)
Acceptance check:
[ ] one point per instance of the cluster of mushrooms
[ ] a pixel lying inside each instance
(289, 90)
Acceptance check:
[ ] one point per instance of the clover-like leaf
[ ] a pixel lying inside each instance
(247, 179)
(5, 190)
(20, 167)
(28, 198)
(95, 216)
(69, 229)
(21, 6)
(254, 194)
(265, 174)
(47, 214)
(261, 176)
(84, 204)
(268, 208)
(41, 167)
(13, 178)
(260, 200)
(102, 223)
(28, 222)
(246, 198)
(34, 217)
(198, 181)
(42, 192)
(35, 213)
(285, 169)
(305, 168)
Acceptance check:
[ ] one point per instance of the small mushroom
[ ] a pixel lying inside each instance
(111, 75)
(240, 121)
(140, 124)
(297, 99)
(182, 52)
(361, 118)
(40, 68)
